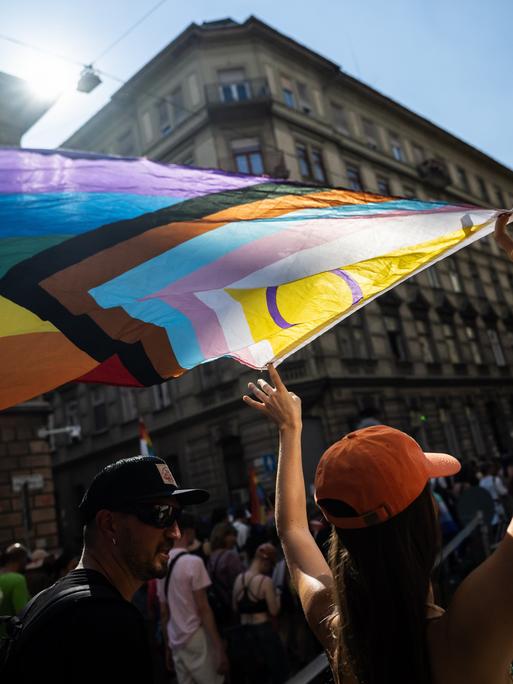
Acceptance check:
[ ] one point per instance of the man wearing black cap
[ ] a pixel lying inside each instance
(84, 628)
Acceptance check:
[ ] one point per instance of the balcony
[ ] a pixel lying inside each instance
(226, 97)
(435, 173)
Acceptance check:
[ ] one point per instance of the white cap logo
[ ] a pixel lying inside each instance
(165, 474)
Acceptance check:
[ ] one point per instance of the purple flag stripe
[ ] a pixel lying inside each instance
(355, 288)
(270, 295)
(35, 171)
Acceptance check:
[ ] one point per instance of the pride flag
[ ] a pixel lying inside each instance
(145, 443)
(129, 272)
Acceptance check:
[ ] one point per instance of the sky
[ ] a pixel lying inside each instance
(447, 60)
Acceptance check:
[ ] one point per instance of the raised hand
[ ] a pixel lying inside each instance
(501, 235)
(277, 403)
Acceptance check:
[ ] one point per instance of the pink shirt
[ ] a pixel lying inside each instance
(189, 574)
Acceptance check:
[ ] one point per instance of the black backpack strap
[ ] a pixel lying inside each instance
(30, 614)
(170, 570)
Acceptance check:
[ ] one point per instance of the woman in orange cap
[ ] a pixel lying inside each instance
(372, 606)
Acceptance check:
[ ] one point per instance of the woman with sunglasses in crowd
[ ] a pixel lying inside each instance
(372, 605)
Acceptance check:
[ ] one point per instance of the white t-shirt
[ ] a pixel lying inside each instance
(189, 574)
(494, 485)
(242, 533)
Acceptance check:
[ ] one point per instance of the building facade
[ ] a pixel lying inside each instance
(433, 357)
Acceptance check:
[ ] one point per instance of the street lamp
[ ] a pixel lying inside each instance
(74, 432)
(88, 80)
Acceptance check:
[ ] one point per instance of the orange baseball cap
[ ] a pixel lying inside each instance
(377, 471)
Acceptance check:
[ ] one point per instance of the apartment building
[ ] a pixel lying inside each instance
(433, 357)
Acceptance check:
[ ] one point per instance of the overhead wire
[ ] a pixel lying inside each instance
(128, 31)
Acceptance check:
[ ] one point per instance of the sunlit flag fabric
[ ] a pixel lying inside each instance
(129, 272)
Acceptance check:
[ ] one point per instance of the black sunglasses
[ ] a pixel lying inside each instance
(156, 515)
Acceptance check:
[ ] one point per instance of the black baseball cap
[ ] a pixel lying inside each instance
(134, 480)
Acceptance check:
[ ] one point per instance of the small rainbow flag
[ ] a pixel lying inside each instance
(146, 445)
(257, 498)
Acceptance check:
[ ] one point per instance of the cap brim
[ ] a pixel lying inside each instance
(186, 497)
(191, 496)
(442, 465)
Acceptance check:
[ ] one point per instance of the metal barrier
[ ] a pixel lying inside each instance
(320, 663)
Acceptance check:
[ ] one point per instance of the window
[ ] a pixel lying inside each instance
(501, 204)
(72, 417)
(353, 177)
(128, 404)
(396, 147)
(318, 165)
(395, 337)
(425, 338)
(234, 463)
(409, 192)
(454, 276)
(304, 161)
(248, 156)
(476, 279)
(450, 342)
(383, 185)
(475, 430)
(178, 104)
(340, 120)
(432, 276)
(233, 86)
(161, 397)
(473, 345)
(163, 116)
(370, 134)
(498, 354)
(418, 153)
(482, 189)
(304, 98)
(497, 286)
(99, 409)
(353, 337)
(449, 429)
(288, 93)
(126, 145)
(463, 178)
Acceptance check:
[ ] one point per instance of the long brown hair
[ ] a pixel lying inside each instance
(382, 576)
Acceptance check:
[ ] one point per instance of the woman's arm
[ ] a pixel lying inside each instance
(309, 571)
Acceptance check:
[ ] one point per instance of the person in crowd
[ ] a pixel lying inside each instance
(39, 571)
(14, 593)
(224, 564)
(190, 633)
(242, 516)
(494, 485)
(86, 627)
(372, 606)
(256, 601)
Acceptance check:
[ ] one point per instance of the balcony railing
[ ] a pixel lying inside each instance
(248, 90)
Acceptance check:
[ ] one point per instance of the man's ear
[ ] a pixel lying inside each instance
(106, 523)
